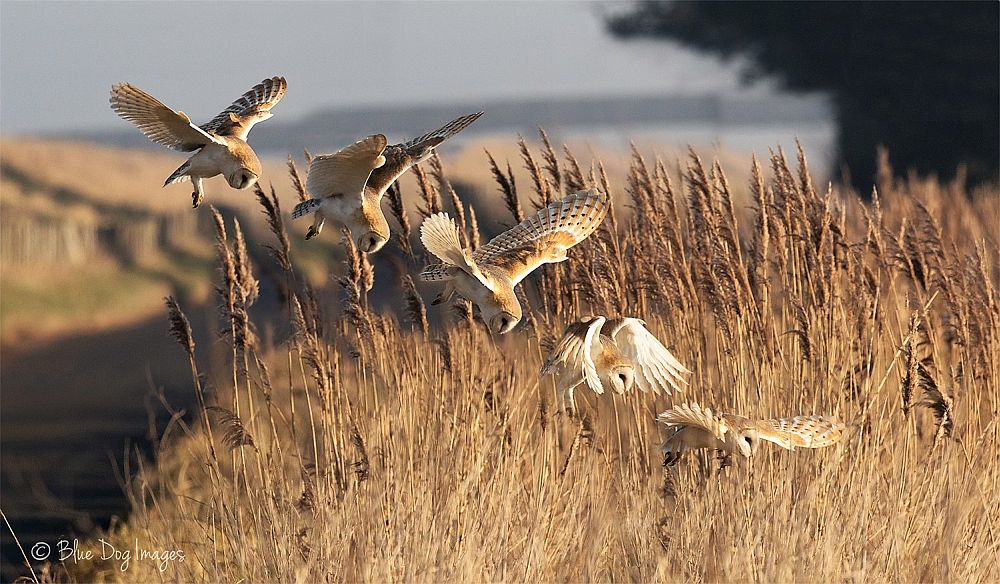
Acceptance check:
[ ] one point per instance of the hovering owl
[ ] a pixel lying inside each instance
(691, 427)
(611, 354)
(220, 144)
(488, 275)
(347, 186)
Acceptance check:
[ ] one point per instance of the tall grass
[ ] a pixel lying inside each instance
(374, 446)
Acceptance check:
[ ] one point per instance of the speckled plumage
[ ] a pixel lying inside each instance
(487, 276)
(355, 205)
(337, 184)
(220, 145)
(692, 427)
(615, 354)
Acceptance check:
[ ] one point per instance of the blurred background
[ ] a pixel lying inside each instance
(90, 243)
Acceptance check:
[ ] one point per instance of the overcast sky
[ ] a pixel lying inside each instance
(60, 59)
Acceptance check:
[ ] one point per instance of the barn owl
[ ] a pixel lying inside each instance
(220, 145)
(347, 186)
(488, 275)
(611, 354)
(692, 427)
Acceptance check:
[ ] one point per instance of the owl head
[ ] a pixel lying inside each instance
(369, 228)
(621, 378)
(502, 312)
(373, 237)
(746, 441)
(242, 178)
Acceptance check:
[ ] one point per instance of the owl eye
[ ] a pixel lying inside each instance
(622, 377)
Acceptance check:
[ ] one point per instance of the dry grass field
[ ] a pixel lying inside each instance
(353, 444)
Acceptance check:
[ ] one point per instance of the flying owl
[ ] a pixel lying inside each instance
(488, 275)
(347, 186)
(611, 354)
(220, 145)
(691, 427)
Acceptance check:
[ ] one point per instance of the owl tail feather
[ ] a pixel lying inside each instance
(305, 208)
(439, 235)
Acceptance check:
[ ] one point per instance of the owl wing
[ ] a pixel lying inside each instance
(657, 370)
(693, 415)
(544, 237)
(801, 431)
(156, 121)
(439, 234)
(400, 157)
(346, 171)
(572, 360)
(692, 427)
(261, 98)
(432, 139)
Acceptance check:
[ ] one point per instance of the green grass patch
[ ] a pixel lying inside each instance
(82, 293)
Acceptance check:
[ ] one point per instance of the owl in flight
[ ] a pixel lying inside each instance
(611, 354)
(220, 145)
(691, 427)
(488, 275)
(347, 186)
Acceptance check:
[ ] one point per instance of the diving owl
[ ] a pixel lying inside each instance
(488, 275)
(611, 354)
(347, 186)
(692, 427)
(220, 145)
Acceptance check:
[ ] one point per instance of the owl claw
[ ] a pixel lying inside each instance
(566, 410)
(311, 233)
(196, 199)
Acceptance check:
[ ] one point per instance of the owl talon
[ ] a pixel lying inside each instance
(671, 458)
(196, 199)
(311, 233)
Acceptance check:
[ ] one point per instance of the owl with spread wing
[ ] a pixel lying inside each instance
(348, 186)
(488, 275)
(219, 146)
(692, 427)
(611, 354)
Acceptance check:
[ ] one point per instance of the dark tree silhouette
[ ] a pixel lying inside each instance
(920, 78)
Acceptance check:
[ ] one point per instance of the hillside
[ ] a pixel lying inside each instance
(568, 117)
(90, 240)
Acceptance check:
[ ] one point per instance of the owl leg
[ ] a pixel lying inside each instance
(566, 399)
(445, 295)
(316, 226)
(199, 194)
